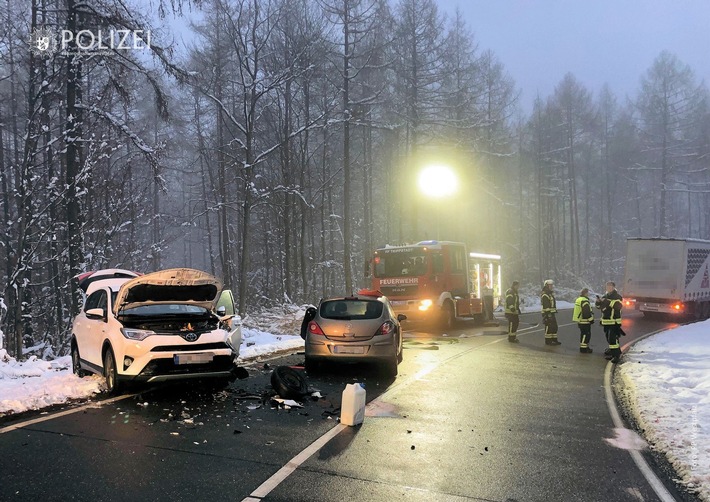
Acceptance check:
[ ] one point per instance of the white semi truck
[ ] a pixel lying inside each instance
(669, 277)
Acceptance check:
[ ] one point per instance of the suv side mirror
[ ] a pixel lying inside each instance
(221, 311)
(95, 314)
(401, 317)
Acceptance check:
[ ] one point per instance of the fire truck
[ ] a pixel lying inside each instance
(438, 281)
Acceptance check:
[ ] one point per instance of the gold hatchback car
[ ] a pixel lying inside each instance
(361, 328)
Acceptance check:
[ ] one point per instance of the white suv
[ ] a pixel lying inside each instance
(171, 324)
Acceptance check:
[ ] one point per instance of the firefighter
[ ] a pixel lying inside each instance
(584, 317)
(549, 309)
(610, 304)
(512, 311)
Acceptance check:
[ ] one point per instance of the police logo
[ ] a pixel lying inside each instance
(43, 42)
(191, 337)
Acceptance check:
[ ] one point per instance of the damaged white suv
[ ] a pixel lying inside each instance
(170, 324)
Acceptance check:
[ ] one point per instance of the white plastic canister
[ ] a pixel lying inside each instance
(352, 408)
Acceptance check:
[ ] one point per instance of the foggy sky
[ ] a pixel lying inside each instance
(612, 41)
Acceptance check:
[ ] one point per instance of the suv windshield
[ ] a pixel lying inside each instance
(164, 310)
(401, 263)
(351, 309)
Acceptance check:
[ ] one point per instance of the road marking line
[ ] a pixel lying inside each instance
(95, 404)
(280, 476)
(275, 480)
(656, 484)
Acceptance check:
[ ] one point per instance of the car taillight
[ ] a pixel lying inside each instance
(678, 306)
(386, 328)
(314, 329)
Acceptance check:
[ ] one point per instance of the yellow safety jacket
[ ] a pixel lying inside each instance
(582, 313)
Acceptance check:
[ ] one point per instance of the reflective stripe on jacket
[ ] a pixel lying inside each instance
(512, 302)
(582, 313)
(549, 305)
(610, 305)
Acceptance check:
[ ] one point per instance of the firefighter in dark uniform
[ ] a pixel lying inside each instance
(610, 304)
(584, 317)
(549, 311)
(512, 311)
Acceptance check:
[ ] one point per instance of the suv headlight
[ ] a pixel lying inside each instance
(136, 334)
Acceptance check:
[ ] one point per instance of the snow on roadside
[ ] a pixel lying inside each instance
(256, 343)
(35, 384)
(665, 383)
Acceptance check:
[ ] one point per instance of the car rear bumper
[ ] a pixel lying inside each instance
(375, 349)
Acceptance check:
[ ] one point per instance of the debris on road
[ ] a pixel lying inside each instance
(288, 382)
(287, 403)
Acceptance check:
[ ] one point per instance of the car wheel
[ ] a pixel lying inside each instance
(288, 382)
(111, 373)
(76, 361)
(312, 366)
(389, 367)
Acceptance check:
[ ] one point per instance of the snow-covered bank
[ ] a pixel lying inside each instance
(665, 384)
(34, 384)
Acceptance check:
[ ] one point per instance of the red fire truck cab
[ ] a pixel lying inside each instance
(438, 281)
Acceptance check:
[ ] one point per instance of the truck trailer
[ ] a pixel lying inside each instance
(669, 277)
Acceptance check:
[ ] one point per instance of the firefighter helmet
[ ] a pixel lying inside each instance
(549, 282)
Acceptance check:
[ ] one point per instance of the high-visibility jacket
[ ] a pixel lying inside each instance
(610, 305)
(512, 302)
(582, 313)
(549, 304)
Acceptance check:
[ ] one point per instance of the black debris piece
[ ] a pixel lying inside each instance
(289, 383)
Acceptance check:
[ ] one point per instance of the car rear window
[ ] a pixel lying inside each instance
(351, 309)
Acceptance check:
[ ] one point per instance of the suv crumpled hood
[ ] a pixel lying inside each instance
(172, 286)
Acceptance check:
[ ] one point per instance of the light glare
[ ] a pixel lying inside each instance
(437, 181)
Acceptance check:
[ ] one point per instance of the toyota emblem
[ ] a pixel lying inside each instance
(348, 326)
(191, 337)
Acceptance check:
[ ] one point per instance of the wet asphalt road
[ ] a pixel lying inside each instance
(470, 417)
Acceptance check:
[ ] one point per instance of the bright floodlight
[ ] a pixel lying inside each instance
(437, 181)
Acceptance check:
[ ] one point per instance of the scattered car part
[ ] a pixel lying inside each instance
(288, 382)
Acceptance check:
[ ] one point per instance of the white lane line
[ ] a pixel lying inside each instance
(268, 486)
(96, 404)
(661, 491)
(280, 476)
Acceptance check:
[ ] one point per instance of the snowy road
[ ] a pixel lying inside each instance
(470, 417)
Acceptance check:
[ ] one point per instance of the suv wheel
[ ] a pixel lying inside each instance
(111, 373)
(76, 361)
